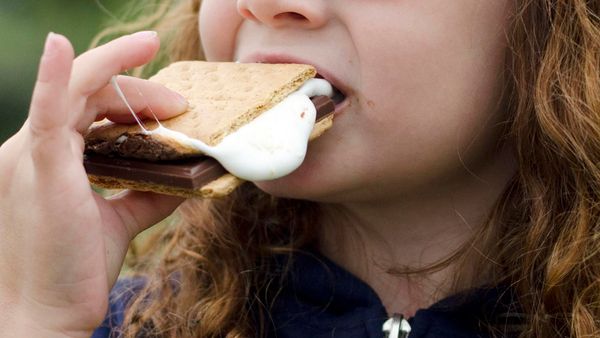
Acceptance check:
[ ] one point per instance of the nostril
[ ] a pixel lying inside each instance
(293, 16)
(246, 13)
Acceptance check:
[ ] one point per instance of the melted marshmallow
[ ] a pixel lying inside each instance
(270, 146)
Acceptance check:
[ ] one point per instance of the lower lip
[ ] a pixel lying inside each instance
(339, 107)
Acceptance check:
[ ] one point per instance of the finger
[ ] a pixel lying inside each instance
(144, 97)
(93, 70)
(140, 210)
(48, 111)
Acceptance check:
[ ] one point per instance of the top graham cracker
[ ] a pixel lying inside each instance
(222, 97)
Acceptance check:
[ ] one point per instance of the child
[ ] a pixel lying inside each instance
(459, 186)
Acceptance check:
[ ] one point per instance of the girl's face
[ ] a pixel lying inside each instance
(422, 80)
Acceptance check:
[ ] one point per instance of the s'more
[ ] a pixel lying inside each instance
(243, 122)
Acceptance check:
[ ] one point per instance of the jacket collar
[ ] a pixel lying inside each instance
(321, 299)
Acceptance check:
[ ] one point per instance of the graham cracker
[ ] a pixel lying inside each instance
(222, 97)
(218, 188)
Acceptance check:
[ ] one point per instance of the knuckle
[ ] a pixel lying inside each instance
(98, 103)
(44, 130)
(45, 142)
(84, 87)
(39, 130)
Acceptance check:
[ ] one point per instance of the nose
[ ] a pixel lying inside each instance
(307, 14)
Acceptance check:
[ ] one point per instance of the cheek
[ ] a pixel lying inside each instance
(441, 88)
(219, 22)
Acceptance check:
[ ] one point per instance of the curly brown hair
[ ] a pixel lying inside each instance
(214, 275)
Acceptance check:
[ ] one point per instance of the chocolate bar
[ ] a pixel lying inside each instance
(190, 173)
(324, 106)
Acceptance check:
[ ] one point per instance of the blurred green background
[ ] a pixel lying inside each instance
(24, 25)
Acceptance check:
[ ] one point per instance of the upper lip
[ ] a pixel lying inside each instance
(284, 58)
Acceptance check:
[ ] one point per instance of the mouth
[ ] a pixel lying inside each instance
(338, 96)
(341, 92)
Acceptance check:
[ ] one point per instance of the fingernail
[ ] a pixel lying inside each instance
(146, 35)
(181, 99)
(50, 45)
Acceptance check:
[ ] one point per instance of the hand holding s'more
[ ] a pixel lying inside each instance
(62, 245)
(244, 122)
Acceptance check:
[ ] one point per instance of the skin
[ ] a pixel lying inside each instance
(422, 79)
(57, 271)
(413, 157)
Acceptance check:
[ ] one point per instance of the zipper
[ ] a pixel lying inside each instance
(396, 327)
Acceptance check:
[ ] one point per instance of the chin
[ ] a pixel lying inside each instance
(313, 183)
(306, 183)
(299, 185)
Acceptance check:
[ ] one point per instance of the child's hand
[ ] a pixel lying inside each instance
(61, 244)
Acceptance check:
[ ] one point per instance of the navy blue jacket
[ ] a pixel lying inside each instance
(322, 300)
